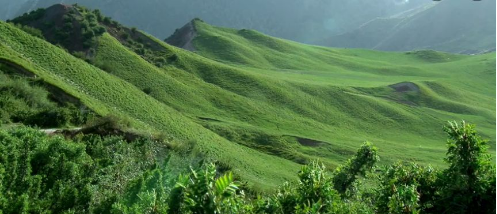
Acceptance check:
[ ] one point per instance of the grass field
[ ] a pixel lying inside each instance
(264, 106)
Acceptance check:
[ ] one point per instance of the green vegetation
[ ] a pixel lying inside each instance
(31, 30)
(25, 100)
(398, 188)
(33, 15)
(76, 28)
(51, 174)
(108, 174)
(105, 93)
(250, 102)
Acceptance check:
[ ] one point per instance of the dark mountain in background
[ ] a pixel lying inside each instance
(303, 21)
(458, 26)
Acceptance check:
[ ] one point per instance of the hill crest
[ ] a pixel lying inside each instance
(184, 36)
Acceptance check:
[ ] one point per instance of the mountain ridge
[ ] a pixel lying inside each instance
(435, 27)
(296, 20)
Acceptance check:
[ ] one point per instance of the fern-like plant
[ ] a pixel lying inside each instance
(201, 192)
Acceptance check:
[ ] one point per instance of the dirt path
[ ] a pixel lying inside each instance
(54, 131)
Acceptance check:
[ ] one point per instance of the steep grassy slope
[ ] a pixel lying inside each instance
(262, 105)
(104, 93)
(456, 26)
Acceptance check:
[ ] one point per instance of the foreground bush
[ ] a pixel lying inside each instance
(102, 175)
(466, 186)
(42, 174)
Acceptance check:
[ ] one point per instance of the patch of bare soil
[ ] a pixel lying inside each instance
(405, 87)
(402, 90)
(309, 142)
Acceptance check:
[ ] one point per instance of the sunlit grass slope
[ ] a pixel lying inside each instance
(105, 93)
(267, 93)
(263, 105)
(347, 91)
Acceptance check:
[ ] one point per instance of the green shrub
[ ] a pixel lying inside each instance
(107, 20)
(31, 16)
(67, 19)
(85, 25)
(468, 185)
(125, 36)
(99, 30)
(62, 35)
(33, 96)
(79, 54)
(30, 30)
(24, 102)
(345, 176)
(98, 14)
(110, 174)
(406, 188)
(68, 26)
(42, 174)
(202, 192)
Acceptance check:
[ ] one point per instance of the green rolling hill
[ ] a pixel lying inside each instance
(259, 104)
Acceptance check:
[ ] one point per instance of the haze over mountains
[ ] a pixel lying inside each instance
(392, 25)
(304, 21)
(457, 26)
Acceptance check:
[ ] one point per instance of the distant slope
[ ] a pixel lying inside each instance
(264, 105)
(456, 26)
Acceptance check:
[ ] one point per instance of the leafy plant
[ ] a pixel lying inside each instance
(406, 188)
(345, 176)
(468, 185)
(202, 192)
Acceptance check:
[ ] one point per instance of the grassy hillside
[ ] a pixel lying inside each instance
(104, 93)
(254, 102)
(343, 91)
(456, 26)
